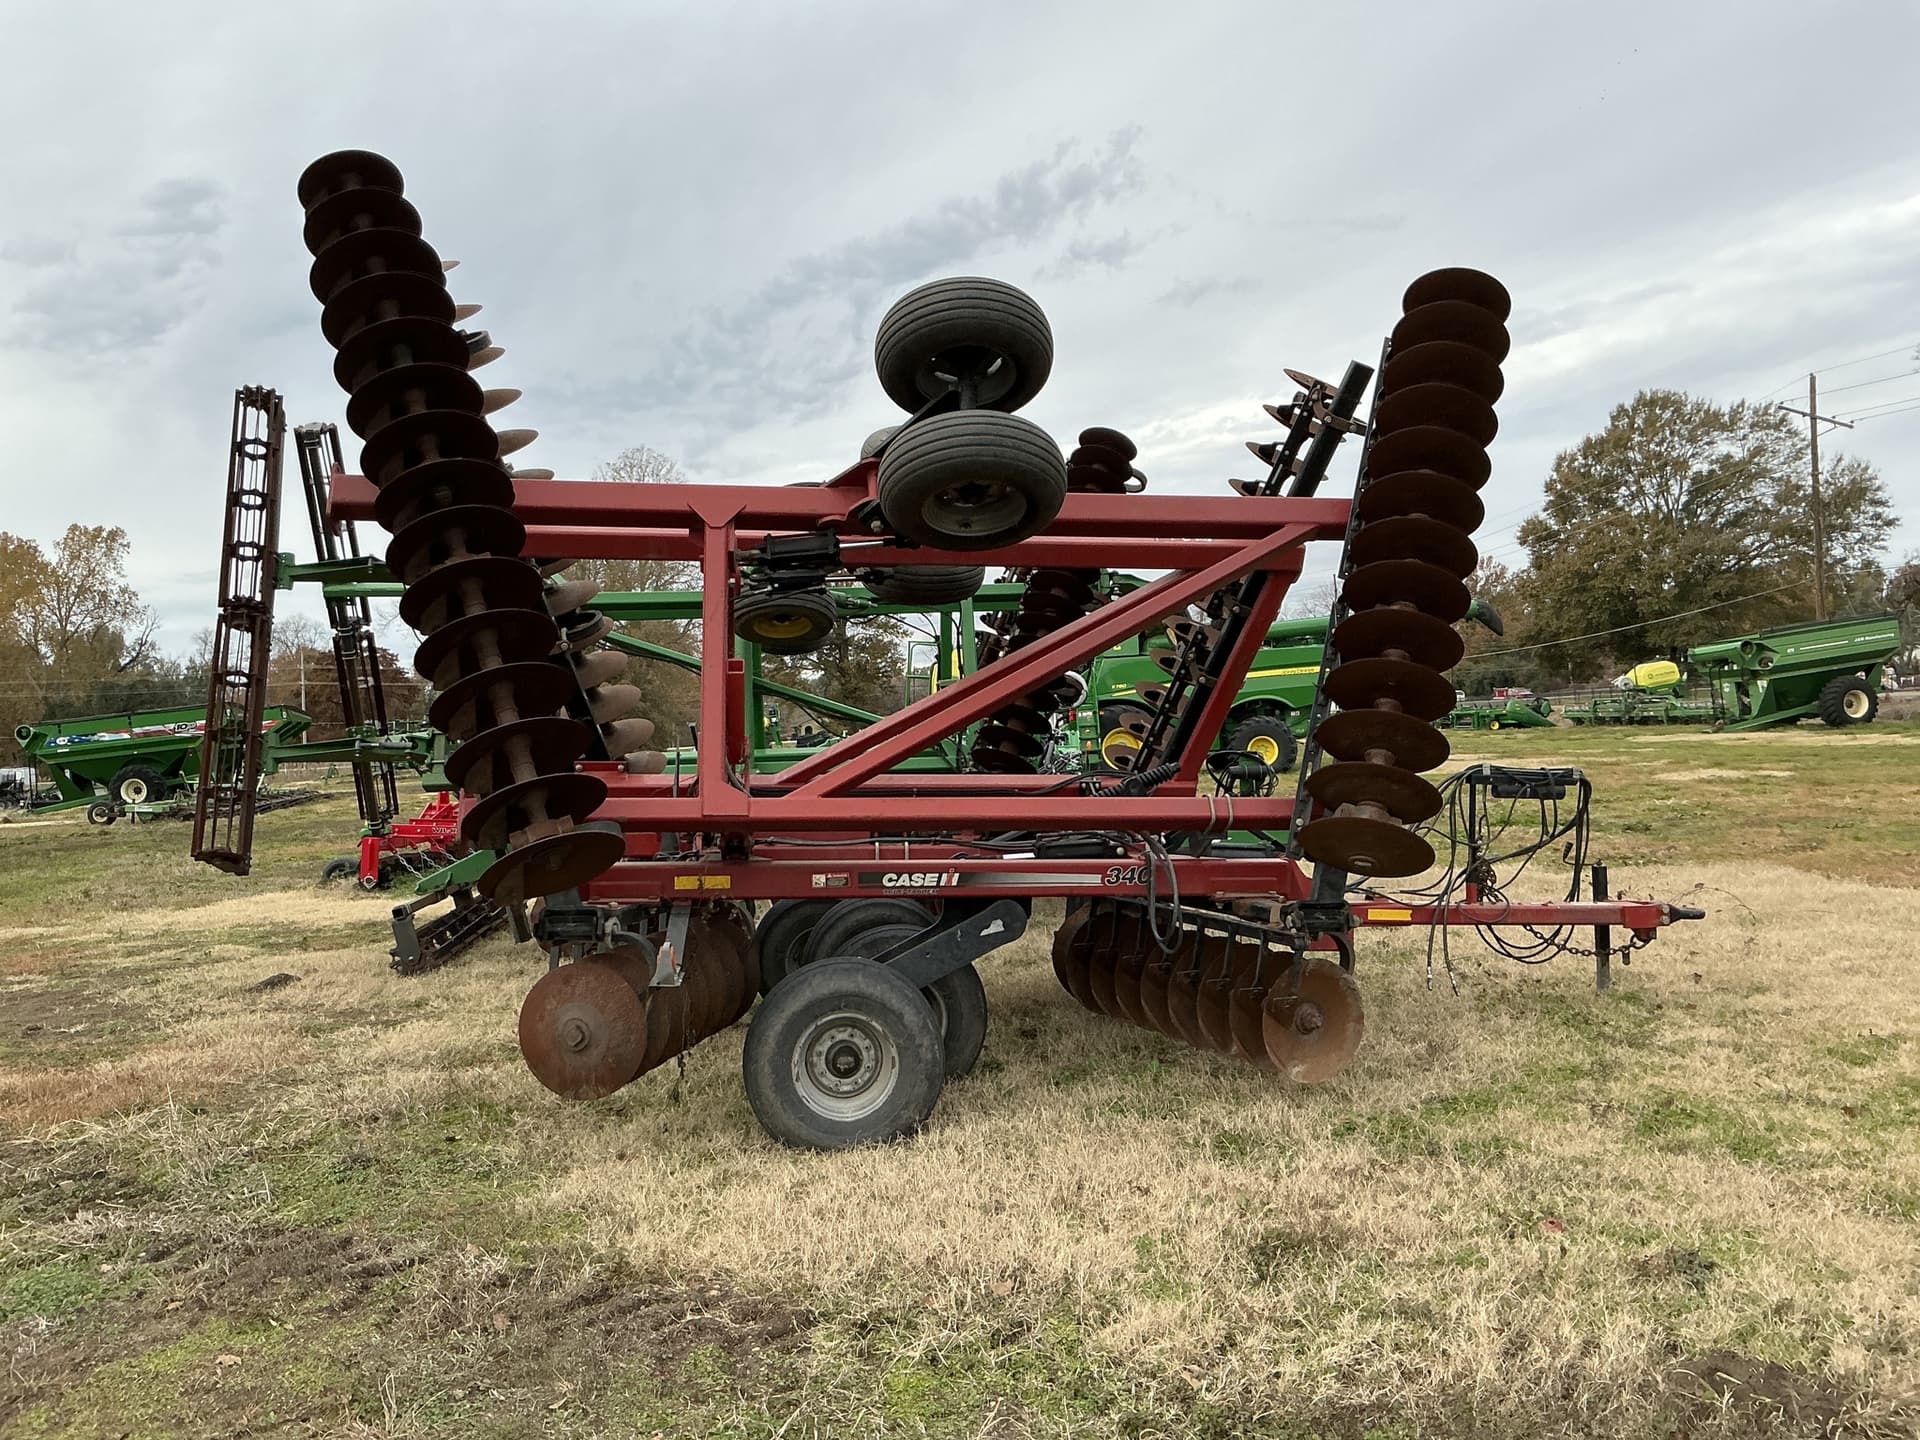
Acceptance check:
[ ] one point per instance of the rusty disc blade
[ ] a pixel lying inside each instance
(1453, 320)
(466, 708)
(410, 340)
(491, 823)
(1428, 588)
(559, 862)
(1414, 744)
(424, 435)
(1415, 537)
(447, 535)
(1071, 951)
(1430, 447)
(1246, 1004)
(1407, 797)
(1129, 968)
(1100, 967)
(1426, 641)
(1111, 440)
(484, 764)
(1458, 282)
(369, 252)
(344, 170)
(1156, 977)
(1421, 492)
(345, 211)
(583, 1031)
(1422, 693)
(1213, 996)
(1190, 965)
(496, 582)
(1365, 847)
(407, 390)
(1444, 362)
(1312, 1033)
(1451, 407)
(477, 642)
(384, 295)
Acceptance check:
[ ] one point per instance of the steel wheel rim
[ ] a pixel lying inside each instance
(1855, 704)
(134, 792)
(1265, 749)
(845, 1067)
(974, 506)
(782, 625)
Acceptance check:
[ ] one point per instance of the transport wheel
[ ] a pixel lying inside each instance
(964, 332)
(1118, 743)
(785, 623)
(870, 446)
(779, 940)
(346, 867)
(137, 785)
(833, 931)
(1846, 700)
(972, 480)
(924, 584)
(101, 813)
(843, 1053)
(959, 1000)
(1267, 739)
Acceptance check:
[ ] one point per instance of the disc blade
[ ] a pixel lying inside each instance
(1422, 693)
(1406, 797)
(583, 1031)
(1458, 282)
(1354, 734)
(559, 862)
(1423, 639)
(1311, 1034)
(1361, 846)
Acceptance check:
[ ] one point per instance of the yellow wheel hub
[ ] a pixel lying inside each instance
(781, 627)
(1264, 748)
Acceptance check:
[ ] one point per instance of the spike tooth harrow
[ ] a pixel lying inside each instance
(505, 670)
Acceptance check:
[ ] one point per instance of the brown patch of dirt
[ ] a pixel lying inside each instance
(42, 1023)
(445, 1319)
(1788, 1401)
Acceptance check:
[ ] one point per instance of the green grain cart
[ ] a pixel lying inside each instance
(1829, 668)
(142, 757)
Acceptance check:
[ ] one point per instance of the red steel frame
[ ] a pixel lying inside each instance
(832, 825)
(436, 827)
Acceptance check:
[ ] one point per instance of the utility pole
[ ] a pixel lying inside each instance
(1814, 421)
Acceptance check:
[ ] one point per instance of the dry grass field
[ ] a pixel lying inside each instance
(338, 1206)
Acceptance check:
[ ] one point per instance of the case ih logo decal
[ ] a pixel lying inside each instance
(913, 879)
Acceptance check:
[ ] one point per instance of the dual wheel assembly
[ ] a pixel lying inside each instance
(963, 473)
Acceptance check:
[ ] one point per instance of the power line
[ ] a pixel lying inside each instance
(1863, 384)
(1884, 404)
(1906, 349)
(1621, 629)
(1912, 405)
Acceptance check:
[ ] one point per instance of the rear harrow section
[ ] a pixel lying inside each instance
(1407, 560)
(227, 798)
(1014, 738)
(502, 653)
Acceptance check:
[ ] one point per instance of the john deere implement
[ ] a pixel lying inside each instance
(888, 885)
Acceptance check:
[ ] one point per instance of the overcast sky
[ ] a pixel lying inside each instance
(685, 220)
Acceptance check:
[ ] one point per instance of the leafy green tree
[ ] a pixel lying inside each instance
(1679, 506)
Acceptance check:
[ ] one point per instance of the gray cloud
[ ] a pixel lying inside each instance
(1189, 293)
(741, 354)
(126, 290)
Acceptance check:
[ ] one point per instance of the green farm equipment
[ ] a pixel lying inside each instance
(1828, 668)
(1499, 713)
(141, 757)
(1267, 720)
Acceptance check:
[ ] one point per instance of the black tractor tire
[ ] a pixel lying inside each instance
(843, 1053)
(924, 584)
(344, 867)
(780, 939)
(986, 328)
(972, 480)
(101, 812)
(1846, 700)
(835, 930)
(870, 446)
(1257, 734)
(789, 622)
(959, 1000)
(137, 785)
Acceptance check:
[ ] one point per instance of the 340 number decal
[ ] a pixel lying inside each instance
(1124, 875)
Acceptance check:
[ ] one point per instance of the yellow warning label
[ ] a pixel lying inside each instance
(1377, 913)
(1284, 670)
(703, 882)
(686, 882)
